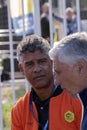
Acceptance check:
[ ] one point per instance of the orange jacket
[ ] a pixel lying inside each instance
(64, 114)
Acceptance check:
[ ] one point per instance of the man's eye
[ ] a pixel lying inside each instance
(42, 61)
(29, 64)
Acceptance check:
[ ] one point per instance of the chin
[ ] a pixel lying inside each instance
(39, 87)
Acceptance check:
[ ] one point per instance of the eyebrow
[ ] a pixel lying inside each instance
(43, 58)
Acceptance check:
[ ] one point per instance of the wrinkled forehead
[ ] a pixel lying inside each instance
(31, 56)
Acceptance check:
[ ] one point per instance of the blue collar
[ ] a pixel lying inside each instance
(83, 97)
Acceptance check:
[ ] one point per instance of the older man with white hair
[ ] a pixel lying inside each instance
(69, 56)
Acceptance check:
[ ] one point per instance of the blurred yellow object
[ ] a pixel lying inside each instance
(55, 38)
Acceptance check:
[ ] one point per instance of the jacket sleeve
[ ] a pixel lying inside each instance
(16, 122)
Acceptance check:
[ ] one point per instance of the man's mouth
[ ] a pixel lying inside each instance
(38, 77)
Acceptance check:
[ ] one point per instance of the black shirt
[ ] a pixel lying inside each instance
(43, 107)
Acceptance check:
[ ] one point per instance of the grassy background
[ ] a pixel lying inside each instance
(7, 104)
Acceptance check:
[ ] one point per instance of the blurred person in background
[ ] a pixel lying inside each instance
(69, 57)
(71, 21)
(45, 23)
(46, 106)
(45, 26)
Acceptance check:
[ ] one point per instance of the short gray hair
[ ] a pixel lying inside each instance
(71, 48)
(32, 43)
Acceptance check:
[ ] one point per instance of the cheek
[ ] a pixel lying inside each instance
(28, 74)
(68, 80)
(56, 79)
(48, 69)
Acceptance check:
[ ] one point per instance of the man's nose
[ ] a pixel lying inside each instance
(36, 68)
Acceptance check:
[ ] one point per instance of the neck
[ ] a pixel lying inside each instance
(45, 92)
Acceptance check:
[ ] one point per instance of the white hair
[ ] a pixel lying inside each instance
(71, 48)
(69, 9)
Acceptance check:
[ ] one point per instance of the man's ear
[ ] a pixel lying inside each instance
(81, 67)
(20, 68)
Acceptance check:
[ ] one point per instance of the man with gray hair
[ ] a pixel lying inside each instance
(45, 106)
(69, 56)
(71, 21)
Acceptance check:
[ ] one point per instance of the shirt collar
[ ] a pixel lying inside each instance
(56, 91)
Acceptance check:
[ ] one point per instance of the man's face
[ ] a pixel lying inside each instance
(69, 15)
(37, 68)
(68, 77)
(46, 9)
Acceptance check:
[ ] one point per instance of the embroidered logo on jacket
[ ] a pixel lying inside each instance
(69, 116)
